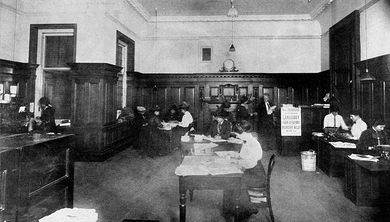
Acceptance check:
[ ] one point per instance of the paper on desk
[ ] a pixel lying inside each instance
(185, 170)
(224, 170)
(319, 134)
(71, 215)
(234, 140)
(232, 154)
(203, 148)
(343, 145)
(205, 165)
(363, 157)
(215, 140)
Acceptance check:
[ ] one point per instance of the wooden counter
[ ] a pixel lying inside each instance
(36, 175)
(330, 158)
(367, 183)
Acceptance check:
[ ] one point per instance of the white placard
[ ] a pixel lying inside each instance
(291, 123)
(31, 108)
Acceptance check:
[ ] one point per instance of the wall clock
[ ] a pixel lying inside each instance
(228, 66)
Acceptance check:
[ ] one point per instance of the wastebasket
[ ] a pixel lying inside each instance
(308, 159)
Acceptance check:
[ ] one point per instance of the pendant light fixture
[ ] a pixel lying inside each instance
(366, 76)
(232, 14)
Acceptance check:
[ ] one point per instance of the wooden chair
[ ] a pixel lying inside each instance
(261, 196)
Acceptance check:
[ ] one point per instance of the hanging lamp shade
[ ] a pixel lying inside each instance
(232, 13)
(232, 49)
(366, 76)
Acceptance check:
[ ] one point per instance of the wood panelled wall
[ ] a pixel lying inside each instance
(167, 89)
(93, 106)
(374, 96)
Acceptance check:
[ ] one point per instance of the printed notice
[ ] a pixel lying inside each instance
(291, 124)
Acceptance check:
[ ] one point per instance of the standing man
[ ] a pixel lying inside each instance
(267, 134)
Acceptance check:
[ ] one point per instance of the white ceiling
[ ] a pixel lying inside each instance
(221, 7)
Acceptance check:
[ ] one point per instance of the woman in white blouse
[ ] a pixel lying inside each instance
(249, 160)
(183, 127)
(187, 119)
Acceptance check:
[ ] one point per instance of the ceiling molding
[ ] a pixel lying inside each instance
(319, 8)
(236, 38)
(10, 8)
(300, 17)
(140, 9)
(119, 23)
(143, 12)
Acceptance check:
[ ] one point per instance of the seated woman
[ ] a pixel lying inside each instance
(46, 122)
(183, 127)
(156, 141)
(155, 120)
(371, 137)
(249, 160)
(222, 128)
(172, 114)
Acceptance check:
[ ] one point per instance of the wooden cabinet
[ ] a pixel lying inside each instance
(330, 158)
(9, 172)
(367, 183)
(94, 100)
(37, 172)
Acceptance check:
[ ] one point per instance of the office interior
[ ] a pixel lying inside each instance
(95, 58)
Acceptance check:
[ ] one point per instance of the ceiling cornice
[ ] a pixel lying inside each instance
(143, 12)
(249, 18)
(10, 8)
(140, 9)
(116, 21)
(319, 8)
(152, 38)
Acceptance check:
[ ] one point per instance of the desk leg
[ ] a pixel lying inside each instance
(182, 191)
(236, 202)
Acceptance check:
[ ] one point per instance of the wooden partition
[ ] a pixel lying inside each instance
(19, 76)
(94, 96)
(199, 89)
(374, 96)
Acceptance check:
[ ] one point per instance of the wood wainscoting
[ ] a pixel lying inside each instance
(194, 88)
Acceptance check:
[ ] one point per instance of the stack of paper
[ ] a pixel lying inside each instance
(72, 215)
(343, 145)
(363, 157)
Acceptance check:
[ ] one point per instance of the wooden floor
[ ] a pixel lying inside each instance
(130, 187)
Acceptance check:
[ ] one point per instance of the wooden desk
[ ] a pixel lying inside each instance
(207, 182)
(186, 146)
(37, 175)
(330, 158)
(192, 181)
(367, 183)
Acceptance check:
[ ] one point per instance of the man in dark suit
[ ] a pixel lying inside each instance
(266, 126)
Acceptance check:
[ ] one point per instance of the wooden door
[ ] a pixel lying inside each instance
(344, 44)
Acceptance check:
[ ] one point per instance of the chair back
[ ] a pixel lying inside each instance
(271, 165)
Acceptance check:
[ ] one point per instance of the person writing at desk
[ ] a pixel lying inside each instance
(46, 121)
(333, 119)
(371, 137)
(172, 114)
(358, 124)
(249, 159)
(223, 128)
(183, 126)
